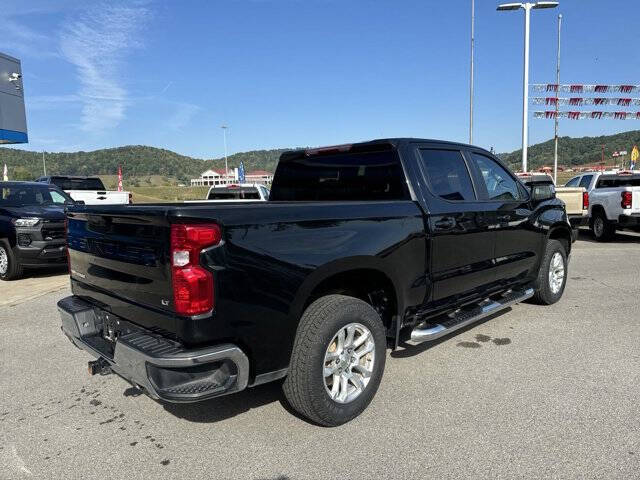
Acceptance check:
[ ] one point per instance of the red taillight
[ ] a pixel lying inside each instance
(627, 198)
(585, 200)
(192, 284)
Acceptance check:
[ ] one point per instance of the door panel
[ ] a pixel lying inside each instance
(518, 242)
(461, 240)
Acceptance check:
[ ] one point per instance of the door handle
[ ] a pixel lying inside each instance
(446, 223)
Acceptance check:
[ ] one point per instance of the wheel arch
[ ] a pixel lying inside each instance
(562, 233)
(362, 277)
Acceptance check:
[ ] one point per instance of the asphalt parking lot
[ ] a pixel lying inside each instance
(535, 392)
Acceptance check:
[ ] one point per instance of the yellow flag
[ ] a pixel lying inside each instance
(635, 154)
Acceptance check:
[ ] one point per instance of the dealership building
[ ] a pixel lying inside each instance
(13, 121)
(219, 177)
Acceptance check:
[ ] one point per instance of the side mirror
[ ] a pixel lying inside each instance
(542, 192)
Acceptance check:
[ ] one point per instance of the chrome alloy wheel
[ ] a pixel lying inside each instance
(556, 273)
(348, 362)
(4, 261)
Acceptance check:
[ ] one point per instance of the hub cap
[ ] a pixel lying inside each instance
(556, 272)
(4, 261)
(348, 363)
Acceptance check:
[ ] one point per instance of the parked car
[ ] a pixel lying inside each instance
(614, 201)
(358, 246)
(90, 190)
(243, 192)
(576, 199)
(31, 227)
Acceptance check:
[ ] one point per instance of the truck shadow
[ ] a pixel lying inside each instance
(407, 350)
(223, 408)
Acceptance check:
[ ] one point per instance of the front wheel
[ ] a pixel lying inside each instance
(10, 269)
(552, 276)
(337, 361)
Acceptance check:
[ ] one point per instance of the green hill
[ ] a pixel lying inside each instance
(136, 161)
(139, 161)
(575, 151)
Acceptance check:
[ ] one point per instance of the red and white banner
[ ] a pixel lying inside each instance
(579, 101)
(119, 178)
(581, 88)
(587, 115)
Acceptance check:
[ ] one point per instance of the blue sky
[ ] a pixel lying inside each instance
(295, 73)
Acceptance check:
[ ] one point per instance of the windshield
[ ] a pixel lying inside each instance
(78, 183)
(31, 195)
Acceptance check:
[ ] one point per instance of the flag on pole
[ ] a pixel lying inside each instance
(119, 178)
(5, 174)
(241, 173)
(634, 156)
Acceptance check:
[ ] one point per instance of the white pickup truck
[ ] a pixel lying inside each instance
(614, 201)
(242, 192)
(89, 190)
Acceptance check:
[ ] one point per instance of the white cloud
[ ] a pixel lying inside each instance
(96, 42)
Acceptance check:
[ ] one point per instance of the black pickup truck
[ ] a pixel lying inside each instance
(359, 247)
(31, 227)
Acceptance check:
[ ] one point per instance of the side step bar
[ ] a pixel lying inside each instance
(427, 331)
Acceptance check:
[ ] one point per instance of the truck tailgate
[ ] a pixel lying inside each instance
(572, 197)
(90, 197)
(123, 255)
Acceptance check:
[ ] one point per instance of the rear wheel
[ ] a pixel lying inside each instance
(602, 229)
(552, 276)
(337, 361)
(10, 269)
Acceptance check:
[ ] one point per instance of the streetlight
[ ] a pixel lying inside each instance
(525, 87)
(226, 166)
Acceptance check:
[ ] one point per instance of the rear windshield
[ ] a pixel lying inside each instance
(30, 195)
(613, 182)
(78, 183)
(234, 194)
(341, 176)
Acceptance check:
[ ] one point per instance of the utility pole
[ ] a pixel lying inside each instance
(44, 165)
(602, 168)
(471, 76)
(226, 165)
(555, 150)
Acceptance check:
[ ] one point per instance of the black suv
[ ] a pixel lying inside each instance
(32, 230)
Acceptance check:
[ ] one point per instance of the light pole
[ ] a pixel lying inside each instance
(471, 77)
(555, 147)
(226, 166)
(525, 83)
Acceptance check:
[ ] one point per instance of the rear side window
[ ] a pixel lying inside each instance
(500, 184)
(447, 174)
(586, 180)
(341, 176)
(573, 182)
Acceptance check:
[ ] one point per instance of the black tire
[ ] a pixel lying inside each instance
(14, 269)
(544, 293)
(304, 386)
(603, 230)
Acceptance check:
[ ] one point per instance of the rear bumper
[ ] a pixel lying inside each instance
(161, 367)
(629, 220)
(578, 220)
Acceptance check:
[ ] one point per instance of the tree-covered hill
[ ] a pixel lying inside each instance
(575, 151)
(136, 161)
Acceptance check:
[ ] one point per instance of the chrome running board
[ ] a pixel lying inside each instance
(433, 329)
